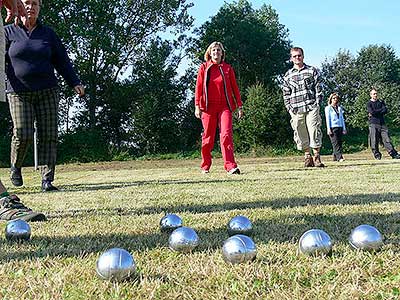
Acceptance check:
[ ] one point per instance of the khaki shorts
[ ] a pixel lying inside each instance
(307, 129)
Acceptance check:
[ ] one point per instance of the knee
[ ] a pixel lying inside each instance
(22, 135)
(226, 138)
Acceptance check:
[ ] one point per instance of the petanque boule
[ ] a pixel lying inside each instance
(18, 230)
(183, 239)
(239, 249)
(115, 264)
(366, 237)
(315, 242)
(240, 225)
(170, 222)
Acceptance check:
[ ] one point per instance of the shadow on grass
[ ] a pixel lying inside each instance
(122, 184)
(358, 199)
(265, 231)
(280, 229)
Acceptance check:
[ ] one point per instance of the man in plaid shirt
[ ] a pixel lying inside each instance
(302, 94)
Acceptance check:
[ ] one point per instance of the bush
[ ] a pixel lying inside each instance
(265, 122)
(83, 146)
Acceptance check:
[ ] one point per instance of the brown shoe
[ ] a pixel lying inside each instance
(317, 162)
(308, 161)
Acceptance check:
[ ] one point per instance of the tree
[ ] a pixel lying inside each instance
(353, 77)
(255, 41)
(257, 47)
(265, 121)
(159, 94)
(106, 37)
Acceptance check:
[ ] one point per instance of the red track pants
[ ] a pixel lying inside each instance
(221, 117)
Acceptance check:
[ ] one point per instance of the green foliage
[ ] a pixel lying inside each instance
(352, 77)
(105, 38)
(158, 94)
(256, 43)
(83, 145)
(265, 121)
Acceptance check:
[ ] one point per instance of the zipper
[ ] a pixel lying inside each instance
(205, 85)
(225, 89)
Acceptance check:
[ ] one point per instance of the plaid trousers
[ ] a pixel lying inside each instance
(2, 66)
(25, 108)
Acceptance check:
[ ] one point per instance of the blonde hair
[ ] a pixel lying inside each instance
(207, 55)
(331, 97)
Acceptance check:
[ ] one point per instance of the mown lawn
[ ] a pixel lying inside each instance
(120, 204)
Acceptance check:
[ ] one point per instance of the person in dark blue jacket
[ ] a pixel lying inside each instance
(378, 131)
(11, 206)
(33, 53)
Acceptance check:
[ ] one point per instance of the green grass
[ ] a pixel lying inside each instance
(119, 204)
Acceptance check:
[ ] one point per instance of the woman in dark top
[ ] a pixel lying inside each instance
(33, 52)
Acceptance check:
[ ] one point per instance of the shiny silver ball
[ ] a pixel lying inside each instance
(18, 230)
(183, 239)
(238, 249)
(366, 237)
(115, 264)
(240, 225)
(315, 242)
(170, 222)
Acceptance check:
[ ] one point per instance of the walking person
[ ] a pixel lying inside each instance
(335, 125)
(217, 97)
(302, 94)
(33, 52)
(378, 131)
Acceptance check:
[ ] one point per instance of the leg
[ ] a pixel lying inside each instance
(387, 143)
(374, 136)
(22, 115)
(313, 121)
(209, 121)
(340, 143)
(300, 134)
(2, 65)
(336, 142)
(46, 110)
(226, 139)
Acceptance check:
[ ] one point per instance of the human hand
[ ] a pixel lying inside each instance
(15, 10)
(330, 132)
(197, 112)
(240, 113)
(80, 90)
(344, 131)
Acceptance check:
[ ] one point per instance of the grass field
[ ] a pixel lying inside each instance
(113, 204)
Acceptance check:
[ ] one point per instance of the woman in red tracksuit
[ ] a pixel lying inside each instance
(217, 96)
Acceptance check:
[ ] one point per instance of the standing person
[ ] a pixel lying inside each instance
(335, 125)
(11, 206)
(33, 51)
(302, 94)
(217, 97)
(378, 131)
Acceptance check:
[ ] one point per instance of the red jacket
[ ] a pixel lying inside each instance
(231, 89)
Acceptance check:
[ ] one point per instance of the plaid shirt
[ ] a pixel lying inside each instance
(302, 89)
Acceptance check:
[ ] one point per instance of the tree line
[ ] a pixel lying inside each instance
(140, 103)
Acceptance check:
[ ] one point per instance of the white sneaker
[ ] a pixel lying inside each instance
(341, 160)
(234, 171)
(205, 171)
